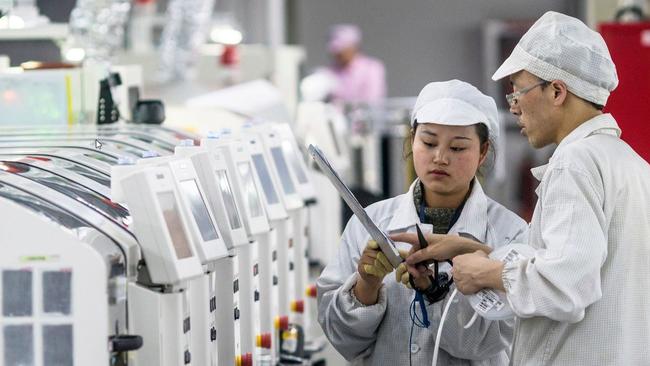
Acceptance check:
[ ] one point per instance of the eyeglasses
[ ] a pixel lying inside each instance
(512, 97)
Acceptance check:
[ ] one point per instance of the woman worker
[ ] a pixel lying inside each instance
(366, 316)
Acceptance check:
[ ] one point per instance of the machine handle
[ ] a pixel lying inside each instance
(124, 343)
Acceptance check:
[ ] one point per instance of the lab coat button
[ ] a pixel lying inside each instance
(414, 348)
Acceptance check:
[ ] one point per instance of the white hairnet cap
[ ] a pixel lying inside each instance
(455, 103)
(343, 36)
(560, 47)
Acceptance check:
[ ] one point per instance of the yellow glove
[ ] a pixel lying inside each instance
(380, 266)
(401, 274)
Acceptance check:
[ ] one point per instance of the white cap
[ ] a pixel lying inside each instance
(560, 47)
(343, 36)
(455, 103)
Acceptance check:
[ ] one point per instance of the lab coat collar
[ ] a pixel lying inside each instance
(603, 123)
(472, 220)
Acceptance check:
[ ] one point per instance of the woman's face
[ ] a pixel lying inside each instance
(446, 158)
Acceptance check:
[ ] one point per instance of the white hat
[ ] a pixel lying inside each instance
(455, 103)
(343, 36)
(560, 47)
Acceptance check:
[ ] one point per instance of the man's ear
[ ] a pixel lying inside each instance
(560, 92)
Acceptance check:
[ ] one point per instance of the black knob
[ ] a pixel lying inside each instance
(125, 343)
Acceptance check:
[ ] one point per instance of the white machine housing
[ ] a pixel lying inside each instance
(39, 262)
(160, 226)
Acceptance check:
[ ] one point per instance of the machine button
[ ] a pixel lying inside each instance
(275, 280)
(213, 334)
(256, 296)
(213, 304)
(291, 266)
(188, 357)
(186, 325)
(236, 313)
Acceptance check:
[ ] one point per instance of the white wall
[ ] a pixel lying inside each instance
(419, 40)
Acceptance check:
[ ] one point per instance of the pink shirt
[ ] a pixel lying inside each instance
(362, 81)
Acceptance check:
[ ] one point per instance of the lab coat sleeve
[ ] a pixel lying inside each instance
(350, 326)
(485, 338)
(563, 277)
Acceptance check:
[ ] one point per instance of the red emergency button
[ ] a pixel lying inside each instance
(264, 340)
(247, 360)
(298, 306)
(311, 291)
(282, 322)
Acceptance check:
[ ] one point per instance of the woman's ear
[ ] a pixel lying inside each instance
(485, 148)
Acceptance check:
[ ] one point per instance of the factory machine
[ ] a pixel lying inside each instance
(227, 224)
(275, 279)
(246, 185)
(96, 241)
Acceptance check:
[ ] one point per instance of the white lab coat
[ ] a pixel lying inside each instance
(379, 334)
(583, 297)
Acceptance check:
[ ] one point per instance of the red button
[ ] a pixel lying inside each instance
(298, 306)
(282, 322)
(311, 291)
(264, 340)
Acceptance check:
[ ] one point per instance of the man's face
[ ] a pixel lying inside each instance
(345, 56)
(534, 110)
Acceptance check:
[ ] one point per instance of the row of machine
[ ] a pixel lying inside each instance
(129, 244)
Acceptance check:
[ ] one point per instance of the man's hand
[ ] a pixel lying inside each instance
(474, 272)
(440, 247)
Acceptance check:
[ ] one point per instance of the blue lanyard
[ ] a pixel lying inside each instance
(419, 296)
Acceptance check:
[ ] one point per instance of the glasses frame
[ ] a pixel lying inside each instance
(514, 96)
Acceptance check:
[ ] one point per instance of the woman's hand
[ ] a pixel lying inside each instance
(420, 273)
(373, 266)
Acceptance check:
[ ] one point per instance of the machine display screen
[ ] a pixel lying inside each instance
(283, 170)
(174, 224)
(265, 178)
(251, 195)
(228, 199)
(199, 210)
(57, 292)
(293, 158)
(16, 293)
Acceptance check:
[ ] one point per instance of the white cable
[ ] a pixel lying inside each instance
(436, 348)
(471, 321)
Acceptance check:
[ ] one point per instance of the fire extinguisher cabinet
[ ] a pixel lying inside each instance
(629, 103)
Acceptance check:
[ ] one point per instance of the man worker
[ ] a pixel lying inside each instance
(583, 298)
(359, 79)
